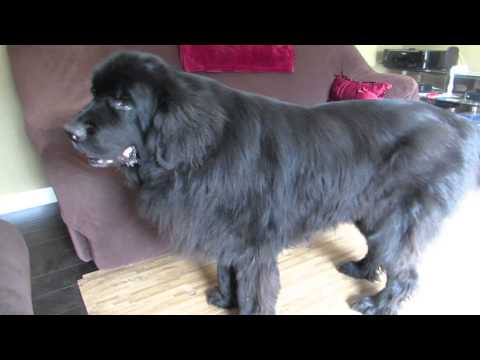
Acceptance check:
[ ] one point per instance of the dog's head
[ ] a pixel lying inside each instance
(109, 130)
(141, 108)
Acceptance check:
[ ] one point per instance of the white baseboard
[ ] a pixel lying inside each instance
(26, 200)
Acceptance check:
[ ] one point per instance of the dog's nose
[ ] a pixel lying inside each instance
(76, 133)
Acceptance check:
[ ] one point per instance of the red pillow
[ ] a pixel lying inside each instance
(238, 58)
(344, 88)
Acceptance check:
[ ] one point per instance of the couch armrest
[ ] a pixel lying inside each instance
(404, 87)
(100, 211)
(355, 67)
(15, 283)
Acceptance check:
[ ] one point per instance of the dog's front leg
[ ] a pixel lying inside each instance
(258, 284)
(225, 294)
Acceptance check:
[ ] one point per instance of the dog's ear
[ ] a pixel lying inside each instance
(181, 123)
(146, 108)
(186, 134)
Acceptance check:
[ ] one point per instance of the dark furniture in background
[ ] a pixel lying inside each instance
(53, 84)
(460, 105)
(464, 98)
(418, 59)
(429, 68)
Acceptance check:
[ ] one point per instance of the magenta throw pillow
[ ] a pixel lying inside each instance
(344, 88)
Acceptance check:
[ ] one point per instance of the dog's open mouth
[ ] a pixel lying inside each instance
(128, 158)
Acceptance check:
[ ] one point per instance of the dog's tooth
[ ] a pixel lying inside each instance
(128, 152)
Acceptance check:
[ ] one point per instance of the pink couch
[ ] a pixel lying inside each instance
(53, 84)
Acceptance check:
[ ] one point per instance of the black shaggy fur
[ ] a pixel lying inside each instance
(237, 177)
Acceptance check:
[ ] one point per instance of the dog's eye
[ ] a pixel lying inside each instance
(120, 104)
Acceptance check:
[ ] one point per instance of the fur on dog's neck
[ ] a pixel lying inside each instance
(183, 130)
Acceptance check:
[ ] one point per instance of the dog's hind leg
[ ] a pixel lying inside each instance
(396, 244)
(389, 248)
(225, 294)
(401, 283)
(368, 267)
(364, 269)
(258, 286)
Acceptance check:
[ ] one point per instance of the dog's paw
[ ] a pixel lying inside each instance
(258, 312)
(368, 306)
(365, 306)
(215, 297)
(356, 271)
(350, 269)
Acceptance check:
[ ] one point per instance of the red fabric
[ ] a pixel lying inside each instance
(238, 58)
(344, 88)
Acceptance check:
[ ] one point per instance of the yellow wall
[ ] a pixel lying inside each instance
(470, 54)
(369, 52)
(21, 169)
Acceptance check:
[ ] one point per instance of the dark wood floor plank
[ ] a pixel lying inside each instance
(52, 256)
(42, 285)
(46, 225)
(58, 302)
(42, 237)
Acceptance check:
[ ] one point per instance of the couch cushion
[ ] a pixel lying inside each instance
(238, 58)
(344, 88)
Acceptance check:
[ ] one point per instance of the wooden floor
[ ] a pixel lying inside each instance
(171, 286)
(55, 268)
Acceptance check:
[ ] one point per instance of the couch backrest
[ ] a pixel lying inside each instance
(53, 82)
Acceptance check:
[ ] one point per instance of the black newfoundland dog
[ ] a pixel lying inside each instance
(237, 177)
